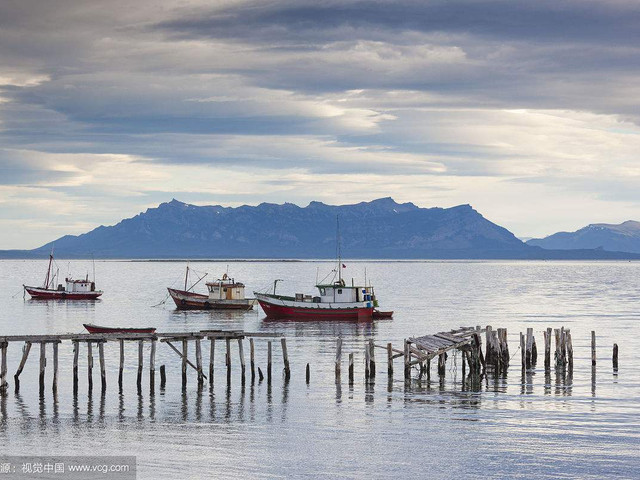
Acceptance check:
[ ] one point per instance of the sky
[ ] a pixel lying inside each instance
(528, 111)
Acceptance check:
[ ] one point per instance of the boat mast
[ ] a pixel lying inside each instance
(338, 249)
(186, 277)
(46, 279)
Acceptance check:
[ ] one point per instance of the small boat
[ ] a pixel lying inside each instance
(377, 314)
(224, 294)
(83, 289)
(98, 329)
(335, 300)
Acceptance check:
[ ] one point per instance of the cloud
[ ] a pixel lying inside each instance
(108, 108)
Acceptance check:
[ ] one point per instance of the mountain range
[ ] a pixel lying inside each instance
(624, 237)
(381, 228)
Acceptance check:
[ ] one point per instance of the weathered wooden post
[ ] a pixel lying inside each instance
(163, 377)
(407, 360)
(464, 371)
(285, 359)
(199, 362)
(441, 364)
(372, 359)
(523, 351)
(528, 354)
(121, 368)
(390, 359)
(338, 358)
(152, 366)
(534, 351)
(241, 355)
(55, 366)
(184, 363)
(140, 363)
(308, 374)
(103, 375)
(260, 375)
(505, 349)
(43, 364)
(252, 360)
(367, 364)
(593, 347)
(558, 354)
(90, 366)
(569, 349)
(269, 362)
(3, 368)
(351, 368)
(76, 351)
(228, 358)
(615, 358)
(547, 349)
(489, 352)
(25, 354)
(212, 351)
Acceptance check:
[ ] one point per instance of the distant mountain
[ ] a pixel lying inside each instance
(381, 228)
(624, 237)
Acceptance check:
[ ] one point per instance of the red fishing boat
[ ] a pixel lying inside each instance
(334, 301)
(98, 329)
(83, 289)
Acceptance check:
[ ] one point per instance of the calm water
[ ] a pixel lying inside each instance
(514, 427)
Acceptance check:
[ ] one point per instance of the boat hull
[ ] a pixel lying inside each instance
(195, 301)
(306, 311)
(98, 329)
(46, 294)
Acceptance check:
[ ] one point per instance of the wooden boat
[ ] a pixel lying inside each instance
(83, 289)
(99, 329)
(335, 300)
(377, 314)
(224, 294)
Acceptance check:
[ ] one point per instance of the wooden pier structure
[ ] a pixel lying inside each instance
(417, 353)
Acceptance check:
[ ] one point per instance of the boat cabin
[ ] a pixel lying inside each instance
(340, 293)
(78, 285)
(226, 289)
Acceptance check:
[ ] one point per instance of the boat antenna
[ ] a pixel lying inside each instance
(338, 249)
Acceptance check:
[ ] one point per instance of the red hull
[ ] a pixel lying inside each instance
(280, 311)
(42, 294)
(98, 329)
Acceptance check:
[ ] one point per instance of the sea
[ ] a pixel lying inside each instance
(519, 425)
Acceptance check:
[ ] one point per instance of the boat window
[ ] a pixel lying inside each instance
(322, 291)
(339, 291)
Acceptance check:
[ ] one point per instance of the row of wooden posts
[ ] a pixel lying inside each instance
(496, 355)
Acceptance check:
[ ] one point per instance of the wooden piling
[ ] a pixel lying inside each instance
(185, 352)
(351, 368)
(43, 364)
(152, 366)
(163, 377)
(390, 359)
(252, 360)
(260, 375)
(490, 353)
(269, 354)
(558, 354)
(504, 348)
(199, 362)
(367, 363)
(103, 375)
(228, 358)
(3, 368)
(241, 355)
(338, 358)
(76, 351)
(569, 349)
(593, 347)
(529, 347)
(140, 363)
(534, 351)
(308, 374)
(372, 359)
(615, 357)
(25, 354)
(547, 349)
(407, 361)
(285, 359)
(90, 366)
(441, 364)
(212, 351)
(121, 367)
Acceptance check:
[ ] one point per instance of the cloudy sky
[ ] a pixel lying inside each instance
(527, 110)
